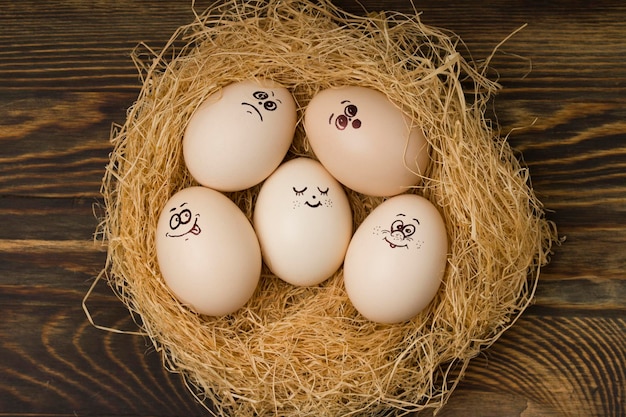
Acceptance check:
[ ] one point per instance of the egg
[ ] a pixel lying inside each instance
(396, 259)
(365, 141)
(207, 251)
(239, 135)
(304, 222)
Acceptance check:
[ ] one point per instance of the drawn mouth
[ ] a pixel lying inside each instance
(255, 109)
(319, 203)
(393, 245)
(195, 229)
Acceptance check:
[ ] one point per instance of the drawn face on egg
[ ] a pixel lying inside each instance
(183, 223)
(400, 233)
(239, 135)
(366, 142)
(261, 102)
(345, 118)
(312, 197)
(303, 220)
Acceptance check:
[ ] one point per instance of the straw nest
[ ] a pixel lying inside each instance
(306, 351)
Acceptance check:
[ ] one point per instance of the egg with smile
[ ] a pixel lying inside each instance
(396, 259)
(304, 222)
(207, 251)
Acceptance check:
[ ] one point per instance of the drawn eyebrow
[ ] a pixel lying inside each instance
(278, 100)
(330, 119)
(172, 209)
(418, 222)
(400, 214)
(346, 101)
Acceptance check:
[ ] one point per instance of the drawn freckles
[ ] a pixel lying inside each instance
(316, 202)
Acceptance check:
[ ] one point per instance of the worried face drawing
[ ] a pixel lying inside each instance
(239, 135)
(183, 222)
(262, 102)
(312, 197)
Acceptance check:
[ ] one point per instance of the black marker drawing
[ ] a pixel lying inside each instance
(344, 120)
(262, 98)
(317, 201)
(400, 232)
(180, 219)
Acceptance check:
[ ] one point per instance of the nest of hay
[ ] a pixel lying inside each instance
(306, 351)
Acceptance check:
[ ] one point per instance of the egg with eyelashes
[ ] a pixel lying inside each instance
(303, 220)
(396, 259)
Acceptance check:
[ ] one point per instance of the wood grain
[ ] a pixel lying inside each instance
(66, 76)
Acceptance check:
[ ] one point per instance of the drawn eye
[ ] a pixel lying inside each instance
(408, 230)
(323, 192)
(185, 216)
(397, 226)
(342, 122)
(299, 192)
(174, 221)
(350, 110)
(270, 106)
(260, 95)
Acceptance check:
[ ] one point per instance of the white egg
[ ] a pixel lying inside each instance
(207, 251)
(304, 222)
(396, 259)
(365, 141)
(239, 135)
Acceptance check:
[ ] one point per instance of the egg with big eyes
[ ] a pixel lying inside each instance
(396, 259)
(365, 141)
(239, 135)
(207, 251)
(303, 220)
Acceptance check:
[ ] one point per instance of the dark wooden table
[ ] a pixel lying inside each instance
(66, 75)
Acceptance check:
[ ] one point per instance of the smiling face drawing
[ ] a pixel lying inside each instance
(181, 223)
(303, 220)
(313, 197)
(396, 260)
(400, 234)
(266, 102)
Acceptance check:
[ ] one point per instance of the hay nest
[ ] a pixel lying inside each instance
(306, 351)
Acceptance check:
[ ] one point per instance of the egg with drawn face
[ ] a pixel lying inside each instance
(365, 141)
(304, 222)
(396, 259)
(239, 135)
(207, 251)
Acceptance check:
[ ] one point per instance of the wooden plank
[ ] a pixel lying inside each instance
(544, 365)
(55, 363)
(66, 76)
(548, 366)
